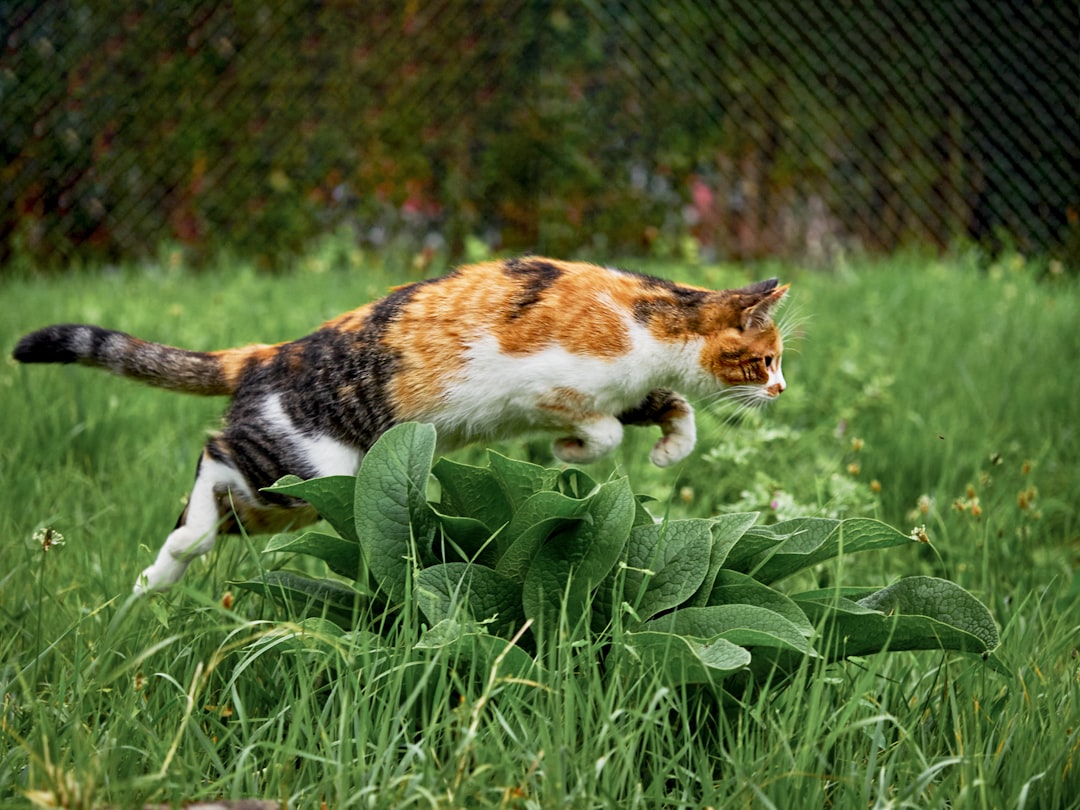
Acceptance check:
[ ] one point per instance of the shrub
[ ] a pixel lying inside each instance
(495, 556)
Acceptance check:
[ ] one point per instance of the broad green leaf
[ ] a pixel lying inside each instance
(332, 498)
(642, 516)
(576, 559)
(519, 480)
(318, 626)
(540, 515)
(394, 521)
(442, 633)
(665, 564)
(745, 625)
(726, 530)
(844, 600)
(489, 656)
(342, 556)
(734, 588)
(467, 534)
(574, 482)
(312, 597)
(916, 613)
(937, 613)
(444, 591)
(760, 542)
(684, 660)
(472, 492)
(804, 542)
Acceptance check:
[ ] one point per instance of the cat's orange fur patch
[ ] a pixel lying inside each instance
(350, 321)
(585, 328)
(582, 314)
(565, 403)
(235, 361)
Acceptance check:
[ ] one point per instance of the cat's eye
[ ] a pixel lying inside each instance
(768, 361)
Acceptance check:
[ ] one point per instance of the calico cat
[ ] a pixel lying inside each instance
(490, 350)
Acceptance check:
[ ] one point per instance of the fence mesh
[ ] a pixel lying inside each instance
(788, 129)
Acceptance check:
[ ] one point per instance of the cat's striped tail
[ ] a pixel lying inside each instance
(206, 373)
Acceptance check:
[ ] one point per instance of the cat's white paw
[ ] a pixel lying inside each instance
(165, 571)
(678, 441)
(671, 450)
(184, 544)
(592, 441)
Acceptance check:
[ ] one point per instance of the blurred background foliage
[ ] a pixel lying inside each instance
(782, 129)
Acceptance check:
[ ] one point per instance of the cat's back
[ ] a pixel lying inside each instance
(524, 304)
(490, 338)
(425, 332)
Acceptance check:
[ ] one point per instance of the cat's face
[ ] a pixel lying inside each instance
(744, 348)
(751, 358)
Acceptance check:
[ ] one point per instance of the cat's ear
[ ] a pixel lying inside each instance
(756, 301)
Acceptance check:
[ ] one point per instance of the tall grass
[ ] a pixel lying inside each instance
(950, 386)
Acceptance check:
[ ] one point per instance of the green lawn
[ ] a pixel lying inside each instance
(921, 392)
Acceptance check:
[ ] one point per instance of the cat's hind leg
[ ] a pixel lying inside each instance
(675, 417)
(591, 439)
(194, 535)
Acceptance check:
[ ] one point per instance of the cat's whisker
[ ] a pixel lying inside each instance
(791, 323)
(744, 395)
(731, 404)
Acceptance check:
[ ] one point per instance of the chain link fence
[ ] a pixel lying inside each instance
(788, 129)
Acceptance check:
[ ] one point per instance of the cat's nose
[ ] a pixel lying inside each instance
(778, 385)
(775, 389)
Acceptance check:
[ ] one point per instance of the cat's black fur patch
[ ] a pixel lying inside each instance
(387, 310)
(536, 276)
(646, 308)
(672, 296)
(684, 295)
(759, 287)
(307, 375)
(63, 343)
(654, 409)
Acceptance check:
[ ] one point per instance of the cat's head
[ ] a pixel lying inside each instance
(743, 345)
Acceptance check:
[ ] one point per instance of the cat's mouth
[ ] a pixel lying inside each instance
(776, 383)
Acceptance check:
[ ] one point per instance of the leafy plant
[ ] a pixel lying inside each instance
(491, 553)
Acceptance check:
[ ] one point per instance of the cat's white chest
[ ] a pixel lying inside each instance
(498, 393)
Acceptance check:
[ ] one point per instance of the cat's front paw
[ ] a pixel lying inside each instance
(593, 441)
(571, 450)
(670, 450)
(680, 436)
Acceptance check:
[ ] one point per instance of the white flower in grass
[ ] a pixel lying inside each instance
(48, 538)
(919, 534)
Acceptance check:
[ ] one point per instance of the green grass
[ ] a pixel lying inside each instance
(946, 385)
